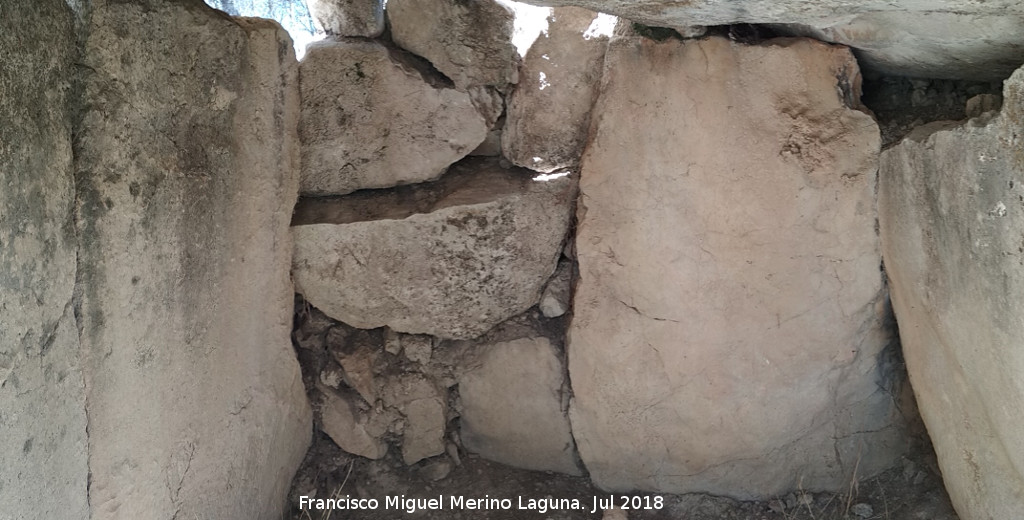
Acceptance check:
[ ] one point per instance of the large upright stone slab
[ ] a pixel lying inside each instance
(470, 42)
(729, 313)
(371, 121)
(43, 465)
(187, 174)
(951, 210)
(952, 39)
(549, 111)
(451, 258)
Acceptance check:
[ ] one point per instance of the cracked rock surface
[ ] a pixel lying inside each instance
(730, 316)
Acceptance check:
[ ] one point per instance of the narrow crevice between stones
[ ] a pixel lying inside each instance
(901, 104)
(475, 180)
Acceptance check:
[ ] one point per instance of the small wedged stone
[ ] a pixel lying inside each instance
(347, 428)
(424, 409)
(370, 120)
(470, 42)
(450, 259)
(557, 295)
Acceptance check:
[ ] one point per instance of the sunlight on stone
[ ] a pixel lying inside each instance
(602, 26)
(530, 22)
(545, 177)
(291, 14)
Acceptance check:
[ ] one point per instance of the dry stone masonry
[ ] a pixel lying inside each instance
(951, 209)
(651, 256)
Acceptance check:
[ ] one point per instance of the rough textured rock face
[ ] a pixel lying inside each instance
(347, 428)
(43, 466)
(451, 259)
(348, 17)
(368, 121)
(549, 110)
(470, 42)
(423, 407)
(729, 311)
(186, 183)
(512, 407)
(943, 39)
(557, 295)
(951, 210)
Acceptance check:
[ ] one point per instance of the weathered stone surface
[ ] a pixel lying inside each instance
(348, 17)
(470, 42)
(347, 428)
(512, 407)
(369, 121)
(557, 295)
(450, 259)
(187, 171)
(424, 410)
(953, 39)
(729, 315)
(951, 211)
(417, 348)
(978, 105)
(549, 110)
(358, 366)
(43, 454)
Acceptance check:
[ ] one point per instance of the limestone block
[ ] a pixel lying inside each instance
(512, 407)
(470, 42)
(450, 259)
(347, 428)
(425, 411)
(43, 455)
(370, 121)
(557, 295)
(187, 173)
(363, 18)
(951, 211)
(729, 315)
(953, 39)
(549, 110)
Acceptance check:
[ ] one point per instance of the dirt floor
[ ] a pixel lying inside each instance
(910, 491)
